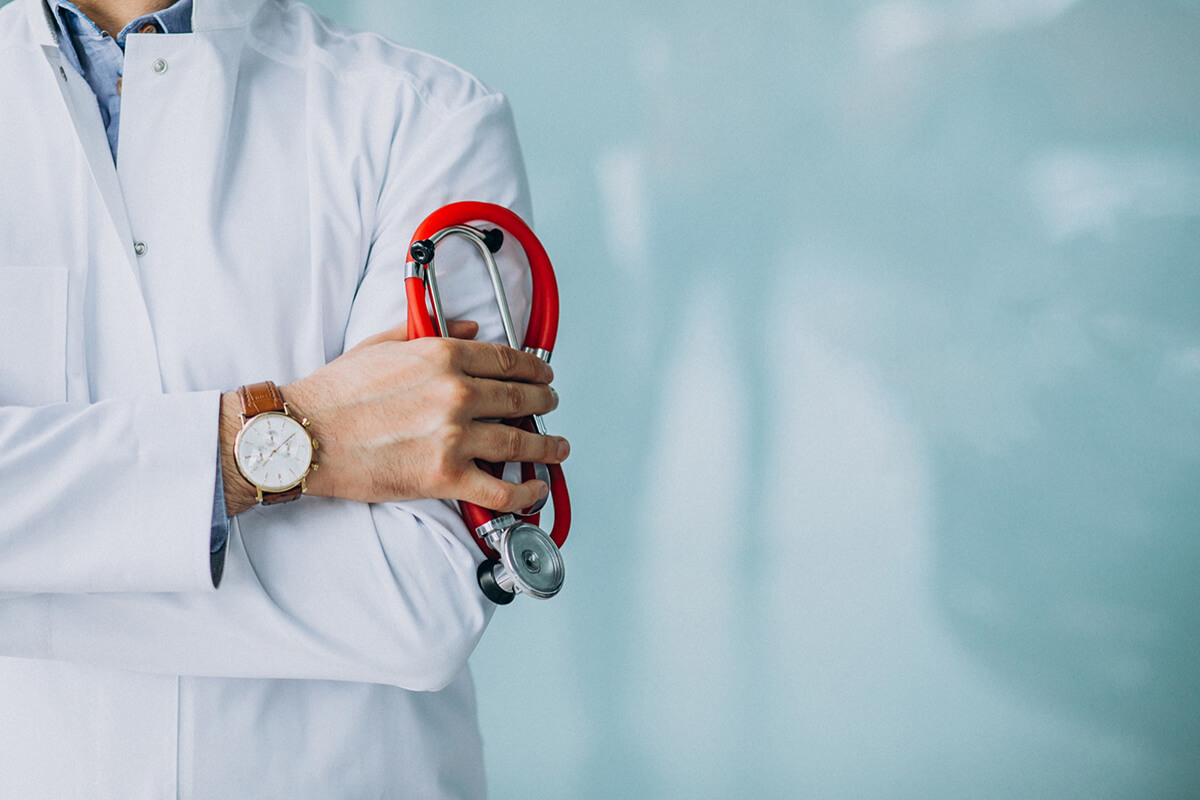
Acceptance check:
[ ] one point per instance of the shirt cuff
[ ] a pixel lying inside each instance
(220, 528)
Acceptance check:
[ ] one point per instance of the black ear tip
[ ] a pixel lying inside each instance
(494, 239)
(422, 252)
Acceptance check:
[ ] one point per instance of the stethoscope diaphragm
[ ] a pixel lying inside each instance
(530, 562)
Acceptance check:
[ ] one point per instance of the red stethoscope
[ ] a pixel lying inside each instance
(519, 555)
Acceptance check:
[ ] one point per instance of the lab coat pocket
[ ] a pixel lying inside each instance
(33, 336)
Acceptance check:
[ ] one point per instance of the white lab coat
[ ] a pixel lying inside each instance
(275, 171)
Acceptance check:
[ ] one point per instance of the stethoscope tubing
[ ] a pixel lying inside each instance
(540, 336)
(542, 331)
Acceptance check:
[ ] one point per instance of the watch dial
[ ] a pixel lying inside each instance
(274, 451)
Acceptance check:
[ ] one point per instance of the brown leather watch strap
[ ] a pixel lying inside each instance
(260, 397)
(272, 498)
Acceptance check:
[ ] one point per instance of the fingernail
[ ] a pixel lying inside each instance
(543, 490)
(564, 449)
(553, 394)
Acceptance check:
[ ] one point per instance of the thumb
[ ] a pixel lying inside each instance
(396, 334)
(462, 328)
(459, 329)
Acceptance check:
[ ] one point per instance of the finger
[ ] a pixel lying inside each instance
(492, 493)
(488, 360)
(506, 444)
(491, 399)
(462, 328)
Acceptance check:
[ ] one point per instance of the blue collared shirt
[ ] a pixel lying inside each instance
(100, 59)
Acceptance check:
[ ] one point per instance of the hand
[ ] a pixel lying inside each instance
(399, 420)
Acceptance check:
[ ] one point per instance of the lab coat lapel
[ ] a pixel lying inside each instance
(122, 354)
(85, 113)
(162, 138)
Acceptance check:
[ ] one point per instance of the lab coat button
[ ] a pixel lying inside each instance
(139, 248)
(160, 66)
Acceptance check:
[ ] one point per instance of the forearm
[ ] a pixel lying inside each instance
(109, 497)
(317, 589)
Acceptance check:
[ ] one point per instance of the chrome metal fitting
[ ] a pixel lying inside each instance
(544, 355)
(492, 530)
(530, 562)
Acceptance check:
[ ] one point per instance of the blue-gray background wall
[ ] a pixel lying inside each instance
(881, 362)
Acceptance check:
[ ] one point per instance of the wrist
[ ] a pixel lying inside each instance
(240, 495)
(301, 405)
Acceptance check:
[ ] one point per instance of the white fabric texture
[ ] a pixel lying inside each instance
(275, 172)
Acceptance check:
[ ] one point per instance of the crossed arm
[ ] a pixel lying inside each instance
(402, 420)
(346, 585)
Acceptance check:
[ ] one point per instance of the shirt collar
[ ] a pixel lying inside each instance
(73, 22)
(207, 15)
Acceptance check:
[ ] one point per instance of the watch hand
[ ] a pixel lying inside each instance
(276, 450)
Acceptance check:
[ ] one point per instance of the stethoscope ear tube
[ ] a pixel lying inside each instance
(519, 556)
(543, 311)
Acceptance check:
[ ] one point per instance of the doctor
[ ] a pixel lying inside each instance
(193, 200)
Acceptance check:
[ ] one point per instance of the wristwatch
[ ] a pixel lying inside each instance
(273, 450)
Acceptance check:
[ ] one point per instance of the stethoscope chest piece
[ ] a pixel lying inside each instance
(529, 562)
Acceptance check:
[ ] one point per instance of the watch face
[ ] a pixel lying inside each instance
(273, 451)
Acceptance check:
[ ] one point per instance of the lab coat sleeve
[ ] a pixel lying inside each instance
(322, 588)
(110, 497)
